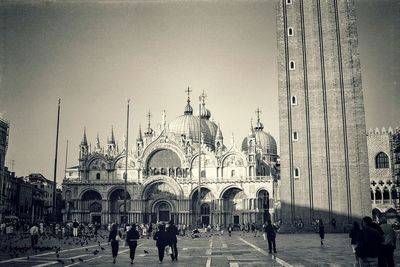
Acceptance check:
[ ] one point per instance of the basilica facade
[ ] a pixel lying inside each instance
(237, 184)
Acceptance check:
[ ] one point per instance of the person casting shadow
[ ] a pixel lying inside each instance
(271, 235)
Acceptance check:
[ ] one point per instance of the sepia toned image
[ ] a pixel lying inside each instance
(200, 133)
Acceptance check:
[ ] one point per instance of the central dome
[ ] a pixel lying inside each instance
(189, 126)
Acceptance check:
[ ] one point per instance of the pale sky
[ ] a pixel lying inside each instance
(95, 56)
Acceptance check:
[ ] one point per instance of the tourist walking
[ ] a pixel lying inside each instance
(368, 243)
(161, 237)
(321, 230)
(271, 235)
(132, 237)
(114, 237)
(172, 232)
(75, 226)
(389, 243)
(230, 230)
(355, 231)
(34, 231)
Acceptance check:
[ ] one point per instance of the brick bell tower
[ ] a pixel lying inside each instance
(324, 163)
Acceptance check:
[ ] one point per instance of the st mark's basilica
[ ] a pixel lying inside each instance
(238, 182)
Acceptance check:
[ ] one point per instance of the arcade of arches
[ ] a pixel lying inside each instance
(163, 201)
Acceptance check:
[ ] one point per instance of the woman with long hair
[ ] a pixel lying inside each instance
(114, 237)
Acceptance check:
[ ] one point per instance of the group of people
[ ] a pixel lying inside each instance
(165, 238)
(373, 244)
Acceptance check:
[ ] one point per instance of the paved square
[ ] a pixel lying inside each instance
(216, 250)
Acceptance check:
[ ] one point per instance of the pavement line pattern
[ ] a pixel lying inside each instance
(46, 264)
(52, 252)
(209, 252)
(84, 261)
(232, 262)
(278, 260)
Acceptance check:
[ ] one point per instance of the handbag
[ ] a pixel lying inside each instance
(117, 237)
(168, 250)
(265, 236)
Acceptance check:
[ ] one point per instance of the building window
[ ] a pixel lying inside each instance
(98, 176)
(203, 174)
(289, 2)
(232, 173)
(290, 31)
(381, 161)
(295, 136)
(292, 65)
(296, 173)
(294, 101)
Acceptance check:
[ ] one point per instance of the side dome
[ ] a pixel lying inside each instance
(189, 126)
(213, 127)
(266, 143)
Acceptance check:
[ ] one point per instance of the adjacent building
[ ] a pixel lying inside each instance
(41, 182)
(382, 161)
(4, 128)
(324, 160)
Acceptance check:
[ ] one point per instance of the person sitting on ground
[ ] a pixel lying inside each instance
(196, 233)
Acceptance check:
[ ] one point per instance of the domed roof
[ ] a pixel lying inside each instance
(213, 128)
(189, 126)
(264, 141)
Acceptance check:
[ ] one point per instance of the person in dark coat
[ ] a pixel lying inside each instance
(368, 243)
(172, 232)
(162, 239)
(355, 231)
(321, 230)
(114, 237)
(271, 235)
(132, 237)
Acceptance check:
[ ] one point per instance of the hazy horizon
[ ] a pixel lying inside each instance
(94, 56)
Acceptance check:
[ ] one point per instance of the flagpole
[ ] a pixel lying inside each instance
(55, 161)
(126, 162)
(199, 188)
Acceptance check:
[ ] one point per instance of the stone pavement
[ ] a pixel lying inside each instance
(219, 251)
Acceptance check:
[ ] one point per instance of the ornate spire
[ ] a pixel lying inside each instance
(111, 140)
(204, 113)
(251, 131)
(219, 136)
(188, 108)
(259, 125)
(149, 130)
(164, 120)
(84, 139)
(140, 137)
(97, 141)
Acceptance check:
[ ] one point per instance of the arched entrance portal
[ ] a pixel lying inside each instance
(202, 214)
(163, 211)
(233, 206)
(263, 206)
(116, 205)
(91, 204)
